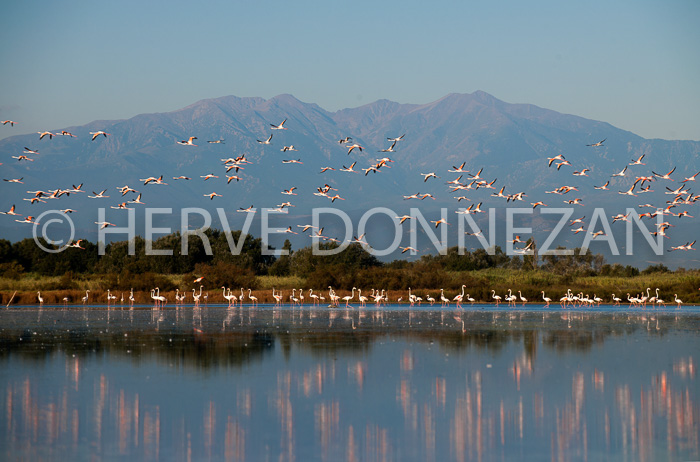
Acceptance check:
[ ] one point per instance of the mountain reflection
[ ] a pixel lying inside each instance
(324, 385)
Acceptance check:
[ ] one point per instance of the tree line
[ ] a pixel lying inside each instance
(353, 266)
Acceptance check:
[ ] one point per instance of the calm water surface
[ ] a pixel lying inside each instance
(284, 384)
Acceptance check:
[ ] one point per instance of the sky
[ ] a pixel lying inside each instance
(631, 63)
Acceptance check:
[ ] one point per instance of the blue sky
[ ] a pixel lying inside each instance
(633, 64)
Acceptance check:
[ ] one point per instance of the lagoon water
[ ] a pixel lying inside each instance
(388, 384)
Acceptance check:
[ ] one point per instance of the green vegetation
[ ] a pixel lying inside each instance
(26, 268)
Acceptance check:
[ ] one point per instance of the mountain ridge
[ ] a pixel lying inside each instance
(510, 141)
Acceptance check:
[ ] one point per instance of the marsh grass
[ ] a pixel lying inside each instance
(280, 282)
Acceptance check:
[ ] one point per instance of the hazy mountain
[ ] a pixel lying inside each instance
(509, 141)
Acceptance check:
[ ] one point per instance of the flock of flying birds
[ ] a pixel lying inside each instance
(466, 181)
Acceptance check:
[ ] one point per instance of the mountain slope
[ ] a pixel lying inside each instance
(509, 141)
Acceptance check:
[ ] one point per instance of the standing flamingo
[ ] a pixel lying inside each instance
(546, 299)
(362, 298)
(252, 298)
(313, 297)
(277, 296)
(677, 300)
(495, 297)
(522, 299)
(347, 298)
(443, 299)
(196, 296)
(227, 296)
(458, 298)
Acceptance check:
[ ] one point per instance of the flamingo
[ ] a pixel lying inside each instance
(189, 142)
(354, 146)
(495, 297)
(546, 299)
(277, 296)
(347, 298)
(430, 299)
(301, 297)
(411, 297)
(458, 298)
(252, 298)
(599, 143)
(677, 300)
(228, 296)
(196, 296)
(658, 299)
(11, 211)
(443, 299)
(522, 299)
(293, 298)
(41, 300)
(131, 297)
(280, 126)
(510, 298)
(617, 300)
(86, 297)
(160, 299)
(110, 297)
(332, 296)
(98, 133)
(313, 297)
(363, 299)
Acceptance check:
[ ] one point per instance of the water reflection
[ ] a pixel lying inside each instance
(263, 384)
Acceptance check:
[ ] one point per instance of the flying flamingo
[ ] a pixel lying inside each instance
(98, 133)
(189, 142)
(280, 126)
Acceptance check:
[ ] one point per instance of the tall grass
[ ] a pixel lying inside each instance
(280, 282)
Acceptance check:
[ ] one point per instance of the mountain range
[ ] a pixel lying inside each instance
(510, 142)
